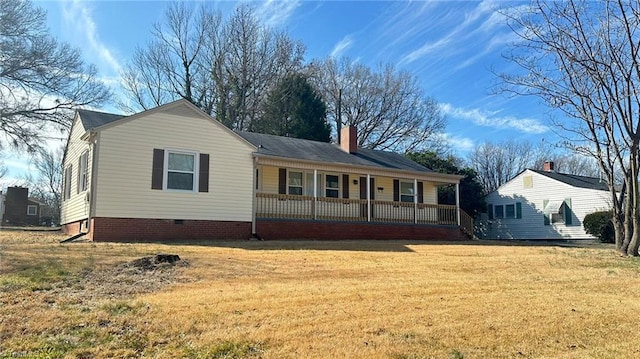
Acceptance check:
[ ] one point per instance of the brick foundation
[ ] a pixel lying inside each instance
(157, 230)
(74, 228)
(291, 229)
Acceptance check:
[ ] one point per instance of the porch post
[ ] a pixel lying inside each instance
(458, 203)
(254, 206)
(315, 193)
(368, 197)
(415, 201)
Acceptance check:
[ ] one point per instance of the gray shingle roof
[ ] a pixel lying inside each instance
(576, 181)
(300, 149)
(93, 119)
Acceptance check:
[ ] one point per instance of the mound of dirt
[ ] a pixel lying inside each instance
(154, 262)
(139, 276)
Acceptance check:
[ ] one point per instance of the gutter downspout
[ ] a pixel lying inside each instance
(93, 146)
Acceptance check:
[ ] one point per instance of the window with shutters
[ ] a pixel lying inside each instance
(180, 170)
(406, 192)
(295, 183)
(332, 188)
(499, 211)
(509, 211)
(66, 193)
(83, 171)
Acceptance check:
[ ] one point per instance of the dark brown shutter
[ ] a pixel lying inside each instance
(282, 181)
(396, 190)
(372, 188)
(345, 186)
(420, 192)
(203, 180)
(363, 187)
(157, 169)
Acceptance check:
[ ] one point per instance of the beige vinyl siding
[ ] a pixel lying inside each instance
(532, 194)
(76, 208)
(125, 166)
(270, 178)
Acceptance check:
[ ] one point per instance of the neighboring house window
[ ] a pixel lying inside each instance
(557, 211)
(83, 171)
(295, 183)
(509, 211)
(406, 192)
(181, 170)
(506, 211)
(32, 210)
(332, 188)
(66, 194)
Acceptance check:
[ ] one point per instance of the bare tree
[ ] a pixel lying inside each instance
(173, 65)
(566, 161)
(41, 80)
(582, 58)
(224, 66)
(254, 59)
(47, 184)
(497, 163)
(388, 107)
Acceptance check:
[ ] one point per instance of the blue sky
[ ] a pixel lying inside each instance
(451, 46)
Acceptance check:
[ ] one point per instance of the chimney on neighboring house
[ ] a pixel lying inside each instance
(349, 139)
(549, 166)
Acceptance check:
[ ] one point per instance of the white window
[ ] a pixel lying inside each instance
(558, 217)
(295, 183)
(180, 170)
(406, 192)
(66, 194)
(32, 210)
(83, 171)
(332, 188)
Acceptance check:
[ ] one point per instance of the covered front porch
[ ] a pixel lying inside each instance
(318, 193)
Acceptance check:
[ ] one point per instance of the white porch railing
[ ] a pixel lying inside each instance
(280, 206)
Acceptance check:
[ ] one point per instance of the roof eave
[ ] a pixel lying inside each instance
(445, 177)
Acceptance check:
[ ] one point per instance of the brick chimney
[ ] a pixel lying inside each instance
(349, 139)
(548, 166)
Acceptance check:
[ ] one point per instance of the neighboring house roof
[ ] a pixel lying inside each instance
(93, 119)
(35, 201)
(301, 149)
(576, 181)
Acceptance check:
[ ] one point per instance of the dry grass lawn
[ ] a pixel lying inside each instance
(366, 299)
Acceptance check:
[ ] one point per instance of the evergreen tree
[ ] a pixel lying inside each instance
(294, 109)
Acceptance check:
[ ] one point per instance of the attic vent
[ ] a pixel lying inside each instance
(527, 181)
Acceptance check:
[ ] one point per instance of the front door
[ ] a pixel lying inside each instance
(363, 195)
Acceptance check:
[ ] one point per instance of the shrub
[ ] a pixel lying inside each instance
(598, 224)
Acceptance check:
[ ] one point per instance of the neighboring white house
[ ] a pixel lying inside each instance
(544, 205)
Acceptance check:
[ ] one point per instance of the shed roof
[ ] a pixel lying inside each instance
(301, 149)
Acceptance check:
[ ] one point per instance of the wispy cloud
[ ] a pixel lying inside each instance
(79, 17)
(461, 144)
(276, 13)
(491, 119)
(342, 46)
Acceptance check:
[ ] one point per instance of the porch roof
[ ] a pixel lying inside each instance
(307, 150)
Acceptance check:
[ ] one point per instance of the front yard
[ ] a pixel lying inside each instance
(311, 299)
